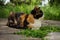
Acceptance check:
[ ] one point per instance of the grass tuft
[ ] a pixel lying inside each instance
(42, 32)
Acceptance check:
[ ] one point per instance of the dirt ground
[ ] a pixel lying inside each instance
(6, 33)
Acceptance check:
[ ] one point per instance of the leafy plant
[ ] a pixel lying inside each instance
(42, 32)
(51, 13)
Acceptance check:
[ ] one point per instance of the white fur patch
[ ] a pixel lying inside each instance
(37, 23)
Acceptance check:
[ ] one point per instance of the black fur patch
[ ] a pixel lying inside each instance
(39, 13)
(17, 14)
(25, 21)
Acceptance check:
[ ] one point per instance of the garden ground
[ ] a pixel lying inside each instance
(6, 33)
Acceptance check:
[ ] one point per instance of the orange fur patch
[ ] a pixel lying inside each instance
(22, 18)
(30, 19)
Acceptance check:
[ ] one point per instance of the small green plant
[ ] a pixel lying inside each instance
(42, 32)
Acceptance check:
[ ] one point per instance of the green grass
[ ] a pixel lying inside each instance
(42, 32)
(4, 11)
(50, 13)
